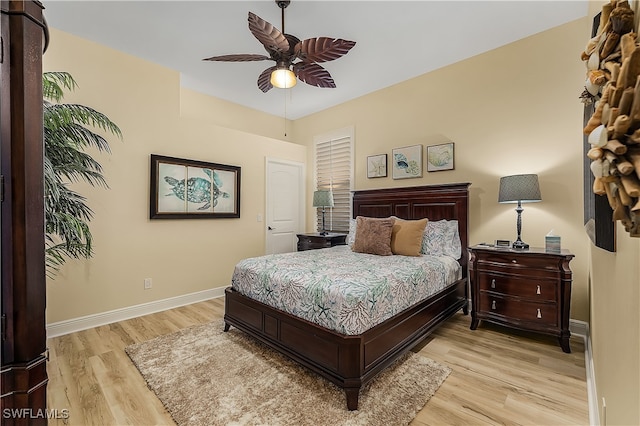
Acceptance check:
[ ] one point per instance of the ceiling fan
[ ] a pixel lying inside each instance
(293, 57)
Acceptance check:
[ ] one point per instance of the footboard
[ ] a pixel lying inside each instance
(347, 361)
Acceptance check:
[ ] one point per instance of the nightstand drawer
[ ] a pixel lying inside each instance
(542, 313)
(531, 288)
(515, 263)
(313, 242)
(319, 241)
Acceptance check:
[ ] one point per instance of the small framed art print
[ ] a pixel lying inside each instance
(407, 162)
(440, 157)
(377, 166)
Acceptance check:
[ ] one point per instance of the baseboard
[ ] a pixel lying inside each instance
(82, 323)
(581, 328)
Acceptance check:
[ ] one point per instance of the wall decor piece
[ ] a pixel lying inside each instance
(185, 189)
(377, 166)
(598, 214)
(612, 139)
(407, 162)
(440, 157)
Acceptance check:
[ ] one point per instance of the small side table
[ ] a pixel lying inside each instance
(524, 289)
(314, 241)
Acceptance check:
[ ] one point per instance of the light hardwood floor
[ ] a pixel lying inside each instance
(499, 376)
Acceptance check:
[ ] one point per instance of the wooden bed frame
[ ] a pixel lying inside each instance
(352, 361)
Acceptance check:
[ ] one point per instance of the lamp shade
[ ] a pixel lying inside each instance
(323, 199)
(523, 188)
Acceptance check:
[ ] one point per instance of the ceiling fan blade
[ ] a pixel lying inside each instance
(322, 49)
(264, 80)
(238, 58)
(267, 34)
(313, 74)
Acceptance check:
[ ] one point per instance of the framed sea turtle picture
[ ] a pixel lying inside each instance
(185, 189)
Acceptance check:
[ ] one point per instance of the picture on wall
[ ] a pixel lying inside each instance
(440, 157)
(377, 166)
(407, 162)
(184, 189)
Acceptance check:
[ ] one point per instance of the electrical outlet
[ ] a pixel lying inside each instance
(148, 283)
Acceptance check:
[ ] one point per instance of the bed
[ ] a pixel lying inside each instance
(352, 360)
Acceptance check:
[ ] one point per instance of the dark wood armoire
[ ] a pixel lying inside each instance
(23, 371)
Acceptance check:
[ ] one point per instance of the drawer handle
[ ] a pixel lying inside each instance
(514, 261)
(539, 314)
(493, 283)
(493, 305)
(538, 289)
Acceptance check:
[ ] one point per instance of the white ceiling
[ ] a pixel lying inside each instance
(396, 40)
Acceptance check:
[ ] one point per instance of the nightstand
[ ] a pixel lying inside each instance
(316, 241)
(525, 289)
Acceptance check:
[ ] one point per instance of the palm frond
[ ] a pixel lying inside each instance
(67, 134)
(53, 82)
(61, 115)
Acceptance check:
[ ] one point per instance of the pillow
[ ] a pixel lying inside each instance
(406, 237)
(351, 236)
(373, 236)
(442, 238)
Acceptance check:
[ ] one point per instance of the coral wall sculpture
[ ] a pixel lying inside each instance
(612, 58)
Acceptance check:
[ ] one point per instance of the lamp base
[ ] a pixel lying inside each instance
(323, 233)
(520, 245)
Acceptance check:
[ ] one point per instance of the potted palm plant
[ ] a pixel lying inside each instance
(67, 134)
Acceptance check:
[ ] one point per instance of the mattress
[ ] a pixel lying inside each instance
(342, 290)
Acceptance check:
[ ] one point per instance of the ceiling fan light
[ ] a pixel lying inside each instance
(283, 78)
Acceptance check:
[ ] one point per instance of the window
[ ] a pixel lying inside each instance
(334, 172)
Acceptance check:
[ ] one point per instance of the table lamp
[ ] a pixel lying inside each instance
(519, 189)
(323, 199)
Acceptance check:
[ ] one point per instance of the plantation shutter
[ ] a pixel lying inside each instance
(334, 173)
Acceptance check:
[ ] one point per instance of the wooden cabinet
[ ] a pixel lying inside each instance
(316, 241)
(525, 289)
(23, 364)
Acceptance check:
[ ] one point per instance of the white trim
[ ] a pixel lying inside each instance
(581, 328)
(82, 323)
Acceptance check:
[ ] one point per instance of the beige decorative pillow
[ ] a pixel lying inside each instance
(373, 236)
(406, 238)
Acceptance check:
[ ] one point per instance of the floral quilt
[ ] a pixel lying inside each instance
(342, 290)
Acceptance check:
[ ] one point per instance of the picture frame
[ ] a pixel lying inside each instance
(407, 162)
(440, 157)
(191, 189)
(377, 166)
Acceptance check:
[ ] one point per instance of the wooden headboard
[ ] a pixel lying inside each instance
(435, 202)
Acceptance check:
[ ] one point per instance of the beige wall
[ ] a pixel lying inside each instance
(615, 329)
(512, 110)
(182, 256)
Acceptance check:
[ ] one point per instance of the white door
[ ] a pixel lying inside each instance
(284, 205)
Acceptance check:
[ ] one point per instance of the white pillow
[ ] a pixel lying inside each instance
(351, 236)
(442, 238)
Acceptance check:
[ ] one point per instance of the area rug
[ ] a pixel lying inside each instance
(204, 376)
